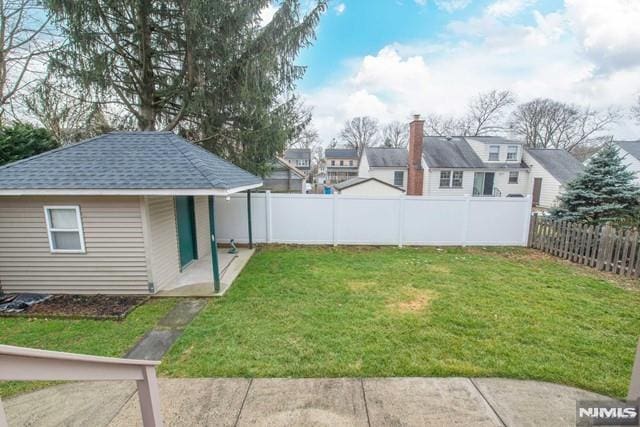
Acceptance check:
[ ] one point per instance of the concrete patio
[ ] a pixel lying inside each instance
(319, 402)
(197, 278)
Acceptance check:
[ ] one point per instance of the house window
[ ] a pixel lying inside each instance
(341, 162)
(445, 179)
(494, 153)
(64, 227)
(456, 179)
(398, 178)
(512, 153)
(333, 162)
(513, 177)
(350, 162)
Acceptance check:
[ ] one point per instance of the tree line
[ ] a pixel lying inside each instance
(540, 123)
(210, 70)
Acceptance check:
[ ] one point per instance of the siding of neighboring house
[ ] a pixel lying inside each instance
(114, 262)
(370, 188)
(551, 187)
(432, 183)
(283, 181)
(202, 226)
(385, 174)
(633, 164)
(165, 260)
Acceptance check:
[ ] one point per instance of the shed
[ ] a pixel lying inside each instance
(360, 186)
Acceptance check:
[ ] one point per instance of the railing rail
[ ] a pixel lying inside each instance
(27, 364)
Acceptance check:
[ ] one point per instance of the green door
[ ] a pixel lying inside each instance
(186, 219)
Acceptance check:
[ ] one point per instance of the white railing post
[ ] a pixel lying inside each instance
(268, 215)
(634, 385)
(149, 398)
(334, 222)
(401, 221)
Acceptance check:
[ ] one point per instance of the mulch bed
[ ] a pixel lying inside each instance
(83, 306)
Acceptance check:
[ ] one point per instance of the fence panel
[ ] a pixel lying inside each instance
(605, 248)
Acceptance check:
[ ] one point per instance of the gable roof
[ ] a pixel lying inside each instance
(631, 147)
(450, 152)
(494, 140)
(120, 162)
(286, 165)
(341, 153)
(361, 180)
(298, 154)
(382, 157)
(559, 163)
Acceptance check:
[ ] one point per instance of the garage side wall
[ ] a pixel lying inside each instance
(114, 262)
(165, 260)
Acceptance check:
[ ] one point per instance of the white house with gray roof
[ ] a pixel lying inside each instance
(385, 164)
(550, 171)
(630, 152)
(122, 213)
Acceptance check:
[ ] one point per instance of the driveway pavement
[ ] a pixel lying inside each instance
(316, 402)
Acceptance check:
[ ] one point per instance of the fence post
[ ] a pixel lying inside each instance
(465, 220)
(602, 241)
(532, 230)
(267, 211)
(401, 221)
(149, 399)
(334, 212)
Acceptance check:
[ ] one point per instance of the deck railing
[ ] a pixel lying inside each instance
(26, 364)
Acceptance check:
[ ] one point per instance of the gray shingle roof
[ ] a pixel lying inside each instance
(359, 180)
(450, 152)
(494, 140)
(126, 160)
(298, 154)
(381, 157)
(559, 163)
(631, 147)
(341, 153)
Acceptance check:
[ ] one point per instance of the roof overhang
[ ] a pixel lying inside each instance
(128, 192)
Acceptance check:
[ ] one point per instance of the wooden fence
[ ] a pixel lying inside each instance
(603, 247)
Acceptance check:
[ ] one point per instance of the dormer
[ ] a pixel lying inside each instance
(495, 149)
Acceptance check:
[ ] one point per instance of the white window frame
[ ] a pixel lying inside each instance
(395, 181)
(517, 174)
(448, 179)
(515, 153)
(51, 230)
(497, 153)
(461, 179)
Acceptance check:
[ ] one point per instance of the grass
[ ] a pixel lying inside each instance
(97, 337)
(315, 312)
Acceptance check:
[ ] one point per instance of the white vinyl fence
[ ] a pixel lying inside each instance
(374, 220)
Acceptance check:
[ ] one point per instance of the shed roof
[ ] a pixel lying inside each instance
(126, 163)
(559, 163)
(361, 180)
(382, 157)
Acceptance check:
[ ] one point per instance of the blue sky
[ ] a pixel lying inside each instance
(389, 59)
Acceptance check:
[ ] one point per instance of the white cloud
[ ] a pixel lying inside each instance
(452, 5)
(547, 58)
(266, 14)
(502, 8)
(340, 8)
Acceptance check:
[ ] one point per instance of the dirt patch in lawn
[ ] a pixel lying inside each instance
(361, 285)
(83, 306)
(417, 301)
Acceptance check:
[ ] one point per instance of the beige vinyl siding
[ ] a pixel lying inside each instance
(114, 262)
(550, 188)
(165, 260)
(201, 204)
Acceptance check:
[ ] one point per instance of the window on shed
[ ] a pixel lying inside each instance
(445, 179)
(512, 153)
(398, 178)
(456, 180)
(494, 153)
(64, 227)
(513, 177)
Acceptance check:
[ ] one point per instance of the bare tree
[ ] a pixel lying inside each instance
(395, 135)
(485, 115)
(24, 41)
(360, 132)
(545, 123)
(308, 138)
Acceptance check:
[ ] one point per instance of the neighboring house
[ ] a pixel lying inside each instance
(300, 158)
(630, 151)
(360, 186)
(122, 213)
(285, 178)
(341, 164)
(550, 171)
(386, 164)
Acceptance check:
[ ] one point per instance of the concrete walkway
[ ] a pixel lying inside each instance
(317, 402)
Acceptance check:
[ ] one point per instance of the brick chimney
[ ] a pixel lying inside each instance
(415, 177)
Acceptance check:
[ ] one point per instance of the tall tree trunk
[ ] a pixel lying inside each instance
(147, 119)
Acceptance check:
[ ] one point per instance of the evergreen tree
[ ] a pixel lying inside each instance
(212, 70)
(20, 141)
(604, 192)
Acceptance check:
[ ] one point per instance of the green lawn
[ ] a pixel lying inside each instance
(313, 312)
(98, 337)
